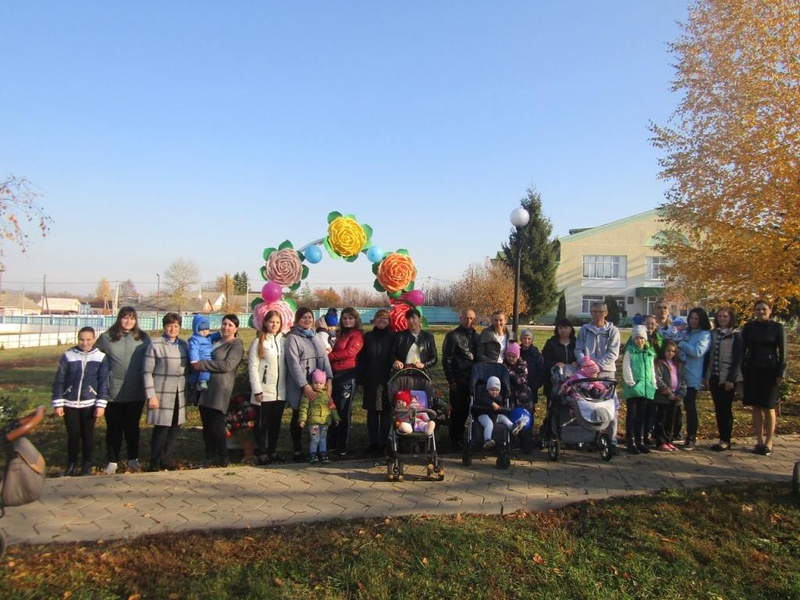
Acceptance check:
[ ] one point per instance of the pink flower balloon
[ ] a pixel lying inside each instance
(271, 292)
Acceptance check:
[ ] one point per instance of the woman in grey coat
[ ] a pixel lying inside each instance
(124, 344)
(226, 355)
(166, 365)
(305, 352)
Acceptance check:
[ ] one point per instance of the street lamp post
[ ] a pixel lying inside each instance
(519, 218)
(158, 296)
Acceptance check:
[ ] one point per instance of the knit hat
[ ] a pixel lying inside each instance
(318, 376)
(332, 317)
(639, 331)
(513, 349)
(493, 383)
(589, 368)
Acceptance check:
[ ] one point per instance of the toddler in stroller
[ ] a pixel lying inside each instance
(490, 406)
(414, 423)
(582, 410)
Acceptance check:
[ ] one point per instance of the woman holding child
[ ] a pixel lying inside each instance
(226, 354)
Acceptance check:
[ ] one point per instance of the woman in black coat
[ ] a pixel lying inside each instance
(374, 366)
(764, 342)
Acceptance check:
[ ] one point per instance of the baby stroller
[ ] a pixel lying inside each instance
(414, 423)
(23, 477)
(481, 372)
(580, 412)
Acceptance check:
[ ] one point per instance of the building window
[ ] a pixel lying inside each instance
(604, 267)
(587, 301)
(655, 267)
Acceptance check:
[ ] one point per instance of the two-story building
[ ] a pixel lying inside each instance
(617, 259)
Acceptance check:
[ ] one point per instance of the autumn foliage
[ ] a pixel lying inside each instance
(487, 287)
(732, 153)
(19, 205)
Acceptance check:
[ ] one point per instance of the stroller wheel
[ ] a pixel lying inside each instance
(554, 449)
(604, 443)
(503, 461)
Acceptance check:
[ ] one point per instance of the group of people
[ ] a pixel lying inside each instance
(665, 366)
(123, 370)
(119, 373)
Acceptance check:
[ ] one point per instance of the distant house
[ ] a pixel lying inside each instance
(60, 306)
(617, 259)
(13, 304)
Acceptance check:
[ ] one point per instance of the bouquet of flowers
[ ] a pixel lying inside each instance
(241, 415)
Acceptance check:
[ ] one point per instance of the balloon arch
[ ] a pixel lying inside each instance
(284, 269)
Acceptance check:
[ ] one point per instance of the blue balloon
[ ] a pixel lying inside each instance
(313, 254)
(375, 254)
(521, 413)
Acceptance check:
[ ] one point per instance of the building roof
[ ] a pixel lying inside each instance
(15, 300)
(584, 233)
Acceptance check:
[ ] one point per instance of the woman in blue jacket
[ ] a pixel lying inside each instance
(692, 352)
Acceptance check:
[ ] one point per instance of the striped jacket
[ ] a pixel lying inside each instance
(81, 379)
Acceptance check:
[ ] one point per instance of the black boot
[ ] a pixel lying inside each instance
(632, 449)
(642, 447)
(70, 470)
(86, 468)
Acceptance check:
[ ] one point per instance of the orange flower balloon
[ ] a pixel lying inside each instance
(396, 272)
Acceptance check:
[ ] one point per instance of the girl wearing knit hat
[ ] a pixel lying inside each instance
(639, 388)
(492, 402)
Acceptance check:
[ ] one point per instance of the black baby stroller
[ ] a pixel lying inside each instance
(473, 432)
(580, 412)
(23, 477)
(413, 428)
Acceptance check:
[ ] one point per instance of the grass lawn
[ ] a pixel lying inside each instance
(730, 542)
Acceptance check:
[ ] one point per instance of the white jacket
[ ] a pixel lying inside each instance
(268, 374)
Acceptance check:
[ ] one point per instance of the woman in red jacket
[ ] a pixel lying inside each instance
(343, 357)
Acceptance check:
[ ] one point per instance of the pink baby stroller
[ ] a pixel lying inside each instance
(23, 477)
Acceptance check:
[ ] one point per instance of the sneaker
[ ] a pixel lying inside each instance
(111, 468)
(133, 465)
(688, 445)
(766, 451)
(86, 469)
(643, 448)
(665, 448)
(632, 449)
(721, 447)
(70, 470)
(202, 386)
(671, 447)
(313, 459)
(518, 427)
(325, 459)
(488, 444)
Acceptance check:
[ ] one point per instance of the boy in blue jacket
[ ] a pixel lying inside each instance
(200, 346)
(80, 394)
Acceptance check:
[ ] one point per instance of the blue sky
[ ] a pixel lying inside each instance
(209, 131)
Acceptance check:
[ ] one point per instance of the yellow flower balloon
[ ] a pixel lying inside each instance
(346, 237)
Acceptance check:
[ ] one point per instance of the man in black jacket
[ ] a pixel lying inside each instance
(414, 347)
(458, 356)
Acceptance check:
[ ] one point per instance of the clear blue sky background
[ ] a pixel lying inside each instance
(209, 131)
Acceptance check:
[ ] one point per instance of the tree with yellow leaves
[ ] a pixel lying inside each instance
(486, 288)
(19, 203)
(733, 153)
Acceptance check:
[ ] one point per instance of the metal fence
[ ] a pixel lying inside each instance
(29, 331)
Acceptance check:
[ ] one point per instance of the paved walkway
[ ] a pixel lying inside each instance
(126, 506)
